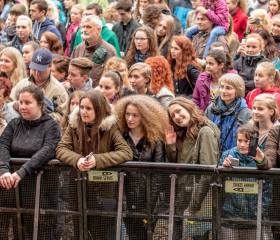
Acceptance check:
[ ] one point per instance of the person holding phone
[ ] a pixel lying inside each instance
(243, 206)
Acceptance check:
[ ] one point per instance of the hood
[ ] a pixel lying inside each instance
(252, 61)
(106, 124)
(47, 22)
(215, 129)
(241, 104)
(86, 88)
(164, 92)
(34, 123)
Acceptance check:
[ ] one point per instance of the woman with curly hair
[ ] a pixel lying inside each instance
(164, 31)
(143, 122)
(118, 64)
(191, 139)
(273, 9)
(184, 66)
(162, 84)
(270, 49)
(144, 45)
(238, 9)
(50, 41)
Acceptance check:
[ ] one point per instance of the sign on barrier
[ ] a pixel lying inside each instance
(241, 187)
(103, 176)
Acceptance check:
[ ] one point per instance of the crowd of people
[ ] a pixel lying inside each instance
(97, 84)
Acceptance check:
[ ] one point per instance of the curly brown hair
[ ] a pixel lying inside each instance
(187, 57)
(154, 118)
(161, 74)
(114, 64)
(153, 49)
(53, 42)
(197, 120)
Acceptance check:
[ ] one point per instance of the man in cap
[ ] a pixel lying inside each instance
(40, 66)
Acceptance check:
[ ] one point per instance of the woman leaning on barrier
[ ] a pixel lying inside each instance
(142, 121)
(191, 139)
(93, 129)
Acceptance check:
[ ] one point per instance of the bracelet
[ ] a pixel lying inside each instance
(202, 63)
(261, 161)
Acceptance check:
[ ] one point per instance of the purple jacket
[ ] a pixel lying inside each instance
(218, 13)
(201, 92)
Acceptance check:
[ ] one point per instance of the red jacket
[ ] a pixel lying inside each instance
(239, 23)
(252, 94)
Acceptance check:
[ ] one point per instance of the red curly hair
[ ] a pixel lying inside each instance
(187, 57)
(161, 74)
(6, 85)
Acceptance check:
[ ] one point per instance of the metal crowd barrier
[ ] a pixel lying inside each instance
(137, 200)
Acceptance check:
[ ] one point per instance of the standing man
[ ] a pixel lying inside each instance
(38, 11)
(94, 47)
(125, 27)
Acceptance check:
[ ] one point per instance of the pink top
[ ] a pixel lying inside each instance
(69, 33)
(218, 13)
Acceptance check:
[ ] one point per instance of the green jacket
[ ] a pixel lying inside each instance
(107, 35)
(190, 191)
(102, 3)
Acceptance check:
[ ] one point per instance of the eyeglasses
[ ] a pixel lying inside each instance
(140, 39)
(226, 88)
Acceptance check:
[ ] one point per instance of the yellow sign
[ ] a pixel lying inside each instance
(241, 187)
(103, 176)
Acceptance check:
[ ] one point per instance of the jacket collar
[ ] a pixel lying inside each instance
(87, 87)
(32, 79)
(106, 124)
(94, 47)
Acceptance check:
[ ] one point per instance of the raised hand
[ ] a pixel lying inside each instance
(170, 135)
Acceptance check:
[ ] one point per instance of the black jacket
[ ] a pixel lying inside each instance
(182, 86)
(29, 139)
(246, 66)
(61, 29)
(277, 41)
(135, 182)
(181, 3)
(125, 33)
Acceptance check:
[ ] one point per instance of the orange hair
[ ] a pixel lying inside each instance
(161, 74)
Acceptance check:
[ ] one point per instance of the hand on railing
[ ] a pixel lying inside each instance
(227, 162)
(170, 135)
(16, 178)
(86, 165)
(7, 180)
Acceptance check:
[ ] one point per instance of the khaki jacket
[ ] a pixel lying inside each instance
(113, 148)
(83, 50)
(51, 88)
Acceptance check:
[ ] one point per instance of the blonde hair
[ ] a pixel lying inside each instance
(113, 64)
(19, 70)
(230, 30)
(144, 69)
(110, 12)
(264, 19)
(80, 7)
(136, 13)
(154, 119)
(272, 72)
(242, 4)
(257, 37)
(236, 81)
(271, 104)
(25, 18)
(169, 31)
(52, 12)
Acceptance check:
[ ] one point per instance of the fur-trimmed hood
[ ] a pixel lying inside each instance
(106, 124)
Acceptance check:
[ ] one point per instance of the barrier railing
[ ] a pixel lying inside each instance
(137, 200)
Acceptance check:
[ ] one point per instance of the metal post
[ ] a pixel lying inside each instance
(119, 217)
(18, 213)
(37, 205)
(171, 212)
(259, 213)
(80, 205)
(149, 210)
(84, 190)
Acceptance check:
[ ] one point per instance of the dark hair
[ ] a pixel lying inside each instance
(117, 80)
(102, 110)
(271, 50)
(248, 130)
(18, 9)
(97, 7)
(53, 42)
(42, 5)
(37, 94)
(124, 4)
(62, 64)
(33, 44)
(220, 57)
(229, 64)
(6, 85)
(152, 11)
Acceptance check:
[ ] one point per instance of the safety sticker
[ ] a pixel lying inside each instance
(241, 187)
(103, 176)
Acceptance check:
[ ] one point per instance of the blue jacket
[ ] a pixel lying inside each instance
(6, 10)
(244, 206)
(46, 26)
(181, 8)
(224, 121)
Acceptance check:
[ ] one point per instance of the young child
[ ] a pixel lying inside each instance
(242, 205)
(217, 11)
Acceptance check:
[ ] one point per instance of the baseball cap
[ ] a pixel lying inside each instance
(41, 59)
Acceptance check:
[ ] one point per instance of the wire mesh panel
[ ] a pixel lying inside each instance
(193, 202)
(8, 226)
